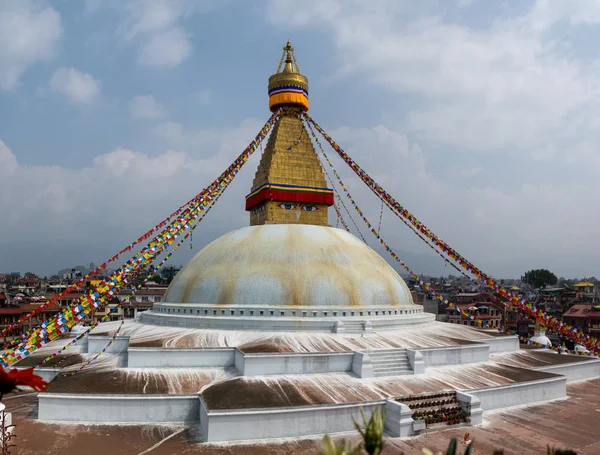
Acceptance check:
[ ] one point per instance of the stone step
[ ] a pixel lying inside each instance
(382, 366)
(385, 351)
(381, 369)
(436, 407)
(354, 327)
(394, 361)
(391, 364)
(390, 361)
(353, 330)
(378, 374)
(389, 357)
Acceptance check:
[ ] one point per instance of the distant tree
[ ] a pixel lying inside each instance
(139, 278)
(539, 278)
(158, 279)
(567, 281)
(169, 273)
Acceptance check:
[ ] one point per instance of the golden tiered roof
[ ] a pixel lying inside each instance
(289, 186)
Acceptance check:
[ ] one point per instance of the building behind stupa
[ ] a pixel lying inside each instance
(289, 327)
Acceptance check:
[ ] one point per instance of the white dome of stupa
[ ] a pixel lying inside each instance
(289, 265)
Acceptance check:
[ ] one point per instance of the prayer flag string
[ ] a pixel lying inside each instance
(423, 284)
(102, 294)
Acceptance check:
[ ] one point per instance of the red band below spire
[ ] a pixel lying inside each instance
(289, 193)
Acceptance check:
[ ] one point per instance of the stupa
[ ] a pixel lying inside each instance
(289, 265)
(539, 337)
(288, 327)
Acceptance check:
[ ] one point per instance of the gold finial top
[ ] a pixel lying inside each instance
(287, 86)
(540, 326)
(288, 56)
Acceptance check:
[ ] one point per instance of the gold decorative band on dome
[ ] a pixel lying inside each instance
(285, 97)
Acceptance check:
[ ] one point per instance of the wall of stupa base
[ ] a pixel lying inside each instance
(582, 371)
(508, 343)
(276, 422)
(260, 364)
(297, 421)
(271, 212)
(457, 355)
(111, 409)
(521, 393)
(286, 319)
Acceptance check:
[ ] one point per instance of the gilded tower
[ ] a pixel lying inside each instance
(289, 186)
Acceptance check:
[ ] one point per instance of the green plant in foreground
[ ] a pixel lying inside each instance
(341, 448)
(451, 450)
(372, 434)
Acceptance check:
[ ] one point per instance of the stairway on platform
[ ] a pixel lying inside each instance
(436, 409)
(354, 326)
(390, 362)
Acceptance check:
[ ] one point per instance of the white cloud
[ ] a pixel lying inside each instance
(8, 161)
(167, 48)
(124, 192)
(119, 196)
(514, 87)
(510, 85)
(502, 231)
(152, 15)
(146, 107)
(471, 172)
(29, 33)
(157, 27)
(172, 131)
(77, 86)
(123, 162)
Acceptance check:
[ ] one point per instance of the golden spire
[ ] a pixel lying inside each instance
(289, 186)
(287, 87)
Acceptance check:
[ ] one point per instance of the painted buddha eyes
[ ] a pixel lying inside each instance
(290, 206)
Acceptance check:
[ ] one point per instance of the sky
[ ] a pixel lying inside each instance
(481, 118)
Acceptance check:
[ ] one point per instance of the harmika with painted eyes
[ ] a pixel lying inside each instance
(292, 206)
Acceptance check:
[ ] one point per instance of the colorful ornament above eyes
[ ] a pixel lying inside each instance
(292, 206)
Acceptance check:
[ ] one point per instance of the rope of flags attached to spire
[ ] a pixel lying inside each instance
(181, 223)
(340, 201)
(426, 286)
(103, 293)
(528, 308)
(106, 317)
(416, 277)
